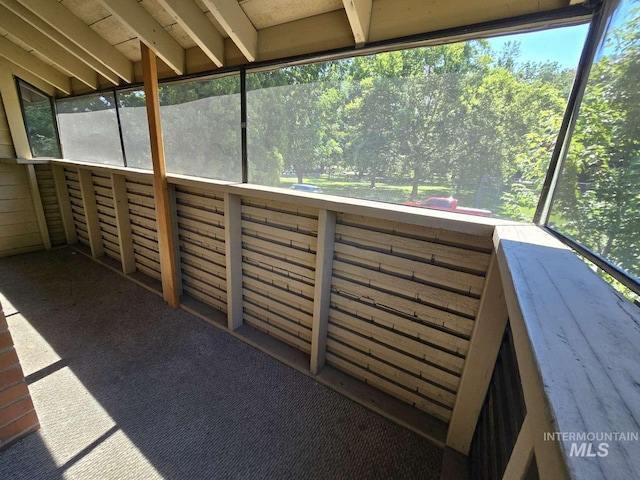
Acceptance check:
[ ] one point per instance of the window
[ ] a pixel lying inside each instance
(135, 128)
(465, 127)
(39, 118)
(89, 129)
(597, 199)
(201, 128)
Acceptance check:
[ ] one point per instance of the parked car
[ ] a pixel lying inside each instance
(306, 187)
(448, 205)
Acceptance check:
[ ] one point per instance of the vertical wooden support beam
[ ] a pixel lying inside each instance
(37, 203)
(173, 209)
(233, 250)
(322, 293)
(123, 222)
(170, 284)
(521, 455)
(62, 192)
(486, 338)
(91, 212)
(13, 110)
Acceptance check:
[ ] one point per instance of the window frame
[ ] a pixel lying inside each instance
(602, 16)
(54, 114)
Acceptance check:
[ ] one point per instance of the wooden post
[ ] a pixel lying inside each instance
(233, 250)
(322, 293)
(486, 338)
(37, 203)
(123, 223)
(173, 210)
(91, 212)
(522, 453)
(64, 203)
(170, 284)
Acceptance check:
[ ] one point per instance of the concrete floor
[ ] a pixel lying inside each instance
(127, 388)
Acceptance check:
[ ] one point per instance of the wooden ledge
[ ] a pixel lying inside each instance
(457, 222)
(578, 346)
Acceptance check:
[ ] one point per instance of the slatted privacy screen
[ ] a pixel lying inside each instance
(77, 207)
(200, 218)
(403, 304)
(501, 418)
(142, 214)
(47, 189)
(106, 214)
(279, 242)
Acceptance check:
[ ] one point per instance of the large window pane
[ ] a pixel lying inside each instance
(135, 128)
(467, 127)
(597, 201)
(201, 128)
(40, 122)
(89, 129)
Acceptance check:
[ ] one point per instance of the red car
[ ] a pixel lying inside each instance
(448, 205)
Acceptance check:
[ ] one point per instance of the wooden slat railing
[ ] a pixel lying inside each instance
(411, 302)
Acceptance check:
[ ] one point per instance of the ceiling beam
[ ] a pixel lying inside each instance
(81, 35)
(235, 22)
(30, 78)
(21, 57)
(359, 15)
(189, 16)
(51, 33)
(20, 29)
(148, 31)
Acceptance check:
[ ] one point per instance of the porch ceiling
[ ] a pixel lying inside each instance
(74, 46)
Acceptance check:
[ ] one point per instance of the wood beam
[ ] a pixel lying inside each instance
(18, 56)
(74, 29)
(37, 203)
(522, 453)
(359, 15)
(170, 283)
(123, 223)
(62, 41)
(17, 27)
(64, 203)
(193, 21)
(484, 346)
(149, 31)
(322, 294)
(233, 257)
(29, 77)
(88, 193)
(235, 22)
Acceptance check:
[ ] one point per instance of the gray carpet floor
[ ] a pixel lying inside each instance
(127, 388)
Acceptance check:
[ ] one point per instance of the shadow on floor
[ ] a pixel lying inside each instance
(126, 387)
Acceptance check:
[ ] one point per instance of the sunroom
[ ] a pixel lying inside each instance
(369, 238)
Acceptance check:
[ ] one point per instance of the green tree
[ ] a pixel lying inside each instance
(599, 195)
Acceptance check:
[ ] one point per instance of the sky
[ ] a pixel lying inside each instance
(562, 45)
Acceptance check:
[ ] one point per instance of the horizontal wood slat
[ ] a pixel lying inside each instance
(279, 256)
(143, 227)
(403, 304)
(77, 207)
(106, 215)
(200, 220)
(49, 198)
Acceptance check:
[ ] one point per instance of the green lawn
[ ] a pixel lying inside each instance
(393, 193)
(382, 193)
